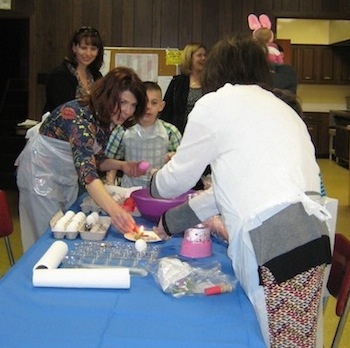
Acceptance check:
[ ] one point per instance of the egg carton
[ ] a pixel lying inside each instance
(96, 233)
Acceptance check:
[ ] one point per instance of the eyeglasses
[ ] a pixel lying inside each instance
(89, 30)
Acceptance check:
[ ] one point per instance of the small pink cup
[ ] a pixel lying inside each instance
(196, 242)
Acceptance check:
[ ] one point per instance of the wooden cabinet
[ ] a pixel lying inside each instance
(327, 9)
(304, 63)
(286, 47)
(343, 63)
(315, 64)
(318, 127)
(342, 128)
(327, 65)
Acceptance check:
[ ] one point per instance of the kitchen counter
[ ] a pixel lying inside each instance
(345, 114)
(341, 113)
(319, 107)
(341, 120)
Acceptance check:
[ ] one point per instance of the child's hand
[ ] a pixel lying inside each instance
(168, 156)
(132, 169)
(153, 170)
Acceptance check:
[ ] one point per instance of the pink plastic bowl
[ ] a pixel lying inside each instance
(152, 208)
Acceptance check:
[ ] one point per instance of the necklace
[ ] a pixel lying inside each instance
(195, 82)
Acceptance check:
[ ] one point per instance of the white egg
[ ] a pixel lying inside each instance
(72, 227)
(140, 246)
(93, 218)
(63, 220)
(69, 214)
(59, 227)
(79, 217)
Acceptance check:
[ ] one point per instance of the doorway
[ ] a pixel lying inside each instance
(14, 63)
(14, 73)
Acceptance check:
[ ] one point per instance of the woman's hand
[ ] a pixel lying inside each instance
(216, 225)
(122, 220)
(159, 230)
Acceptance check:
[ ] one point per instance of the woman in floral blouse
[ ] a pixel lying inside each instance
(69, 148)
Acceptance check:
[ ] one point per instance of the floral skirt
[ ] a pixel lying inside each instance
(292, 307)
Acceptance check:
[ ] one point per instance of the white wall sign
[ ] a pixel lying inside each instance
(5, 4)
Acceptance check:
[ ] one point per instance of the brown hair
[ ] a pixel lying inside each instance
(105, 95)
(264, 35)
(152, 86)
(91, 37)
(187, 53)
(239, 59)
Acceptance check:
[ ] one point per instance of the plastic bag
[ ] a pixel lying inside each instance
(180, 278)
(119, 194)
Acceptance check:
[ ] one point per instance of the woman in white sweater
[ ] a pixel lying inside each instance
(263, 165)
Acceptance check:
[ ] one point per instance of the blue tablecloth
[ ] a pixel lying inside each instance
(142, 316)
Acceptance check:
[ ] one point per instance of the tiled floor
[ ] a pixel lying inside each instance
(336, 180)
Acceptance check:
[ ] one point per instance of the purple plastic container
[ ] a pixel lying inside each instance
(152, 208)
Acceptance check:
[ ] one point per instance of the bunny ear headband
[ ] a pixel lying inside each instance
(262, 22)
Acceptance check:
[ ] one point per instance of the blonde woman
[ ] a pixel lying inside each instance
(185, 89)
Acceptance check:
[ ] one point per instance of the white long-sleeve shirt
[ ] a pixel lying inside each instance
(262, 160)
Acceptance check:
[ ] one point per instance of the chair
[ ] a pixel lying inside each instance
(6, 225)
(338, 283)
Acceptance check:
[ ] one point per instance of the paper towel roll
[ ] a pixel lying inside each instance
(107, 278)
(53, 256)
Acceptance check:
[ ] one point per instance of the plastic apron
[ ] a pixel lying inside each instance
(148, 144)
(47, 181)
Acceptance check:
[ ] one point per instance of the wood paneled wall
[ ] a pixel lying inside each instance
(146, 23)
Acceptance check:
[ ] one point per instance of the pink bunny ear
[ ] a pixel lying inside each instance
(253, 22)
(265, 21)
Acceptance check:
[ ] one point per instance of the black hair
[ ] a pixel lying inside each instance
(237, 59)
(91, 37)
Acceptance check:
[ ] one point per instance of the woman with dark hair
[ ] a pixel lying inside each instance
(69, 148)
(79, 69)
(263, 170)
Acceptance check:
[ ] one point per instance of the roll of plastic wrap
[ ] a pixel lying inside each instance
(53, 256)
(106, 278)
(47, 274)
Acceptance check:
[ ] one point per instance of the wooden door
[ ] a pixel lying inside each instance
(287, 50)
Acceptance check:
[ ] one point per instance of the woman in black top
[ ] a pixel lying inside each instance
(80, 68)
(184, 89)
